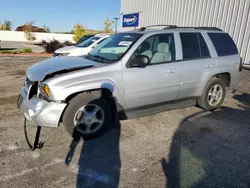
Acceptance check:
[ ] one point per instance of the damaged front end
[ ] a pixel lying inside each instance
(35, 100)
(38, 110)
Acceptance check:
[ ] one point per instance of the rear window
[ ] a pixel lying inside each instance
(194, 46)
(223, 44)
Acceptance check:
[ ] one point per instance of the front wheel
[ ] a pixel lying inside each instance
(89, 116)
(213, 95)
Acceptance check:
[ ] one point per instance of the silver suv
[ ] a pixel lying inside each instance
(132, 74)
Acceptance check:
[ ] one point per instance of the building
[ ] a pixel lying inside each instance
(233, 16)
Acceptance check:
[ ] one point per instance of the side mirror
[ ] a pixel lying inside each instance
(139, 61)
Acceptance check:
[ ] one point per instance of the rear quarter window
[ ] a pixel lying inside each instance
(223, 44)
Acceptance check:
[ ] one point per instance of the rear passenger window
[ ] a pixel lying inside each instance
(194, 46)
(190, 45)
(223, 44)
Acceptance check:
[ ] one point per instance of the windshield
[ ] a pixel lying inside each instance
(88, 42)
(84, 38)
(114, 47)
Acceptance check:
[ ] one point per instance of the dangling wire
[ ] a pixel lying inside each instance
(36, 144)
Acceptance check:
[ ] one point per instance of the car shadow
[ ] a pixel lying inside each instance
(211, 149)
(99, 162)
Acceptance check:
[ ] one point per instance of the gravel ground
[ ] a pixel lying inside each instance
(179, 148)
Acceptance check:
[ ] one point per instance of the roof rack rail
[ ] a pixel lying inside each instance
(205, 28)
(165, 26)
(178, 27)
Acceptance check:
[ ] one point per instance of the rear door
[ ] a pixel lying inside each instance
(196, 64)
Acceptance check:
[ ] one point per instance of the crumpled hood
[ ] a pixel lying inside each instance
(65, 49)
(38, 71)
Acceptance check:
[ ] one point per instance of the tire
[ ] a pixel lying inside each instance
(203, 101)
(74, 128)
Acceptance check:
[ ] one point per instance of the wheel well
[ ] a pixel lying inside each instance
(105, 93)
(225, 77)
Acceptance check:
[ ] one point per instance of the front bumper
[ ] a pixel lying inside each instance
(39, 111)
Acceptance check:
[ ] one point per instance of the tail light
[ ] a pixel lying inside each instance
(241, 64)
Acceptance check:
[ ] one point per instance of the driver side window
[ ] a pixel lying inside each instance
(158, 48)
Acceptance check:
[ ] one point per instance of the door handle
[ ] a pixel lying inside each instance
(209, 66)
(172, 71)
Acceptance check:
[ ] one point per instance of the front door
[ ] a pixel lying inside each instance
(160, 80)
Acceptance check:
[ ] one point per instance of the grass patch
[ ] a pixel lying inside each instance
(23, 50)
(206, 130)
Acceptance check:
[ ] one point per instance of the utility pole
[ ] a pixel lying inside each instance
(116, 24)
(2, 19)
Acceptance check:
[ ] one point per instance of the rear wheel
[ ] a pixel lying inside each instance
(87, 116)
(213, 95)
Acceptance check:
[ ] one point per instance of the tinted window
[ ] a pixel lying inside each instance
(190, 45)
(158, 48)
(223, 44)
(88, 42)
(203, 47)
(84, 38)
(194, 46)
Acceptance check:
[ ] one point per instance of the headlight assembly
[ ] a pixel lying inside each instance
(44, 89)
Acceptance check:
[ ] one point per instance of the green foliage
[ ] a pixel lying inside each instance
(79, 32)
(23, 50)
(7, 26)
(28, 31)
(10, 52)
(108, 25)
(53, 45)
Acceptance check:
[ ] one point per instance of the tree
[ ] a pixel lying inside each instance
(79, 32)
(28, 29)
(108, 25)
(6, 26)
(46, 29)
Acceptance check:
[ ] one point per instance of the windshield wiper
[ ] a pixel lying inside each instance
(95, 57)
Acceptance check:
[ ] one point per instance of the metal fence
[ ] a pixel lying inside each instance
(233, 16)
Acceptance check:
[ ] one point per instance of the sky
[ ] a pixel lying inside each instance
(59, 15)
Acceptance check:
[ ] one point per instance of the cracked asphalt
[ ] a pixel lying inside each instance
(179, 148)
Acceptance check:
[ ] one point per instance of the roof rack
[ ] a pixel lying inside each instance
(205, 28)
(165, 26)
(177, 27)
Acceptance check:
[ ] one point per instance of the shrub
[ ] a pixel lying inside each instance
(29, 35)
(10, 52)
(28, 29)
(25, 50)
(53, 45)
